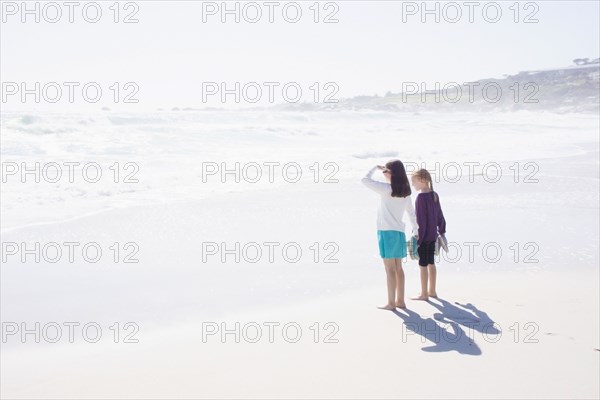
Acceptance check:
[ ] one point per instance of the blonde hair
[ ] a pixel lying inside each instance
(424, 175)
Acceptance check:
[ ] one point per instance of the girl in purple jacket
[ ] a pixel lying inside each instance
(431, 222)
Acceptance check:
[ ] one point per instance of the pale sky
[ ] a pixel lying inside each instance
(171, 52)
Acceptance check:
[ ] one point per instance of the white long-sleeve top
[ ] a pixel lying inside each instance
(391, 209)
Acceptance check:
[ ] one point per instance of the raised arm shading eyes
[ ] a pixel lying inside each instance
(379, 187)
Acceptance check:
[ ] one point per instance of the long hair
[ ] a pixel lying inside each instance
(424, 175)
(400, 185)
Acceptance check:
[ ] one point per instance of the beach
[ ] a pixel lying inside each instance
(518, 307)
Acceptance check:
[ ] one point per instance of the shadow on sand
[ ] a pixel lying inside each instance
(445, 329)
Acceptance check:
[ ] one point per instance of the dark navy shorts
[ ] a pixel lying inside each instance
(426, 252)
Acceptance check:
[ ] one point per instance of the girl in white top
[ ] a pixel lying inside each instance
(395, 200)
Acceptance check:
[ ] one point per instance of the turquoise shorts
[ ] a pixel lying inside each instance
(392, 244)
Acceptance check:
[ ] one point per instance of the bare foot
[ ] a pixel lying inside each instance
(434, 295)
(387, 307)
(400, 305)
(425, 298)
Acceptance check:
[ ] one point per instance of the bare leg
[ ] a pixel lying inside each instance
(391, 283)
(399, 284)
(424, 279)
(432, 278)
